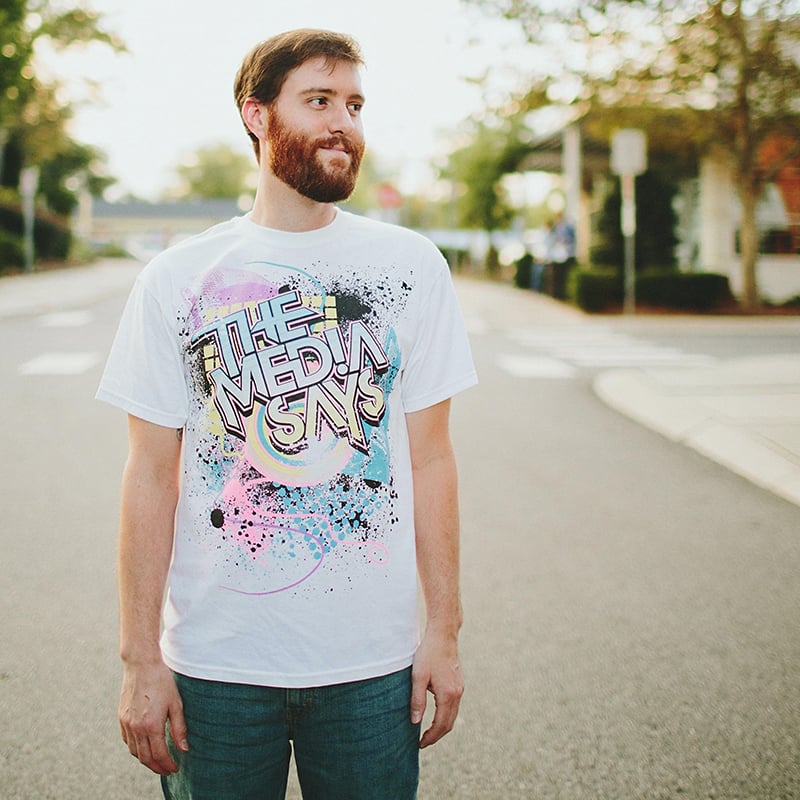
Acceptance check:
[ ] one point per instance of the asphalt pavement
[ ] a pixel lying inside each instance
(743, 413)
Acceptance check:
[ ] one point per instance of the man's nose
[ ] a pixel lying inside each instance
(341, 120)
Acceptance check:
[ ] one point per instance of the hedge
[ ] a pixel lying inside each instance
(12, 251)
(52, 237)
(594, 290)
(695, 291)
(598, 289)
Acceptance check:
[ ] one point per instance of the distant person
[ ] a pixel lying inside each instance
(560, 255)
(288, 376)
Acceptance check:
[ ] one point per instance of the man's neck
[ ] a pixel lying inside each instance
(280, 207)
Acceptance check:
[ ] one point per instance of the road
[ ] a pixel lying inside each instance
(631, 606)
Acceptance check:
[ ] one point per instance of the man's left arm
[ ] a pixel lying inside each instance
(436, 663)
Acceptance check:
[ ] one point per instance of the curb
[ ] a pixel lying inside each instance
(639, 396)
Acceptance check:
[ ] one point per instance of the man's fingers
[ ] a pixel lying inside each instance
(177, 727)
(444, 718)
(154, 754)
(151, 750)
(149, 700)
(419, 698)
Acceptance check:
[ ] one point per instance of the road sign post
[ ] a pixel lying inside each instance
(629, 159)
(28, 183)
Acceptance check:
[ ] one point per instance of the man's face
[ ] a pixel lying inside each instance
(314, 130)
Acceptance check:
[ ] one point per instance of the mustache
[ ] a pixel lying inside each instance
(341, 142)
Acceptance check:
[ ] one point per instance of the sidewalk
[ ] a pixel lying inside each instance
(743, 413)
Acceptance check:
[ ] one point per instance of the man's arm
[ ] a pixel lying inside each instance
(149, 696)
(436, 663)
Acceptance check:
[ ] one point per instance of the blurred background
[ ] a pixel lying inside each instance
(630, 481)
(487, 121)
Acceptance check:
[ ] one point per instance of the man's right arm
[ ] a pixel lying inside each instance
(149, 696)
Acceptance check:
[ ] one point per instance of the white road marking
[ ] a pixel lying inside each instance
(65, 319)
(597, 346)
(59, 364)
(535, 366)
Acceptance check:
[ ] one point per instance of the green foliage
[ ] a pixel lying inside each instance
(12, 252)
(655, 225)
(214, 171)
(690, 291)
(596, 289)
(52, 237)
(33, 117)
(477, 169)
(603, 289)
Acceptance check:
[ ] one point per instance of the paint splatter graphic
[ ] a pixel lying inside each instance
(291, 378)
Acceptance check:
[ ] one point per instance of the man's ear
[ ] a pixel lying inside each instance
(254, 115)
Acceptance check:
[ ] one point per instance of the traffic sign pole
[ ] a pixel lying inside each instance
(629, 159)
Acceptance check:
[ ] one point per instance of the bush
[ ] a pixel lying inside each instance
(12, 252)
(51, 235)
(596, 289)
(523, 273)
(691, 291)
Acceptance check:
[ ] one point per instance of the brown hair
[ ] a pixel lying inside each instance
(266, 66)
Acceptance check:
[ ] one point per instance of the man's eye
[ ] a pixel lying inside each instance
(319, 102)
(355, 108)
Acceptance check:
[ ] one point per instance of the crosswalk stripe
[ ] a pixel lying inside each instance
(66, 319)
(560, 350)
(598, 346)
(535, 366)
(59, 364)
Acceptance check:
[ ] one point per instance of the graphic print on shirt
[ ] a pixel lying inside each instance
(294, 378)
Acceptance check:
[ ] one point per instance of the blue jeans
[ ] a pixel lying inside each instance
(352, 741)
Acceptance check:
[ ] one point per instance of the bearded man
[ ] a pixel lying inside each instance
(287, 377)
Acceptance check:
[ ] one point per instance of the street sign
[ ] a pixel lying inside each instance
(629, 159)
(628, 152)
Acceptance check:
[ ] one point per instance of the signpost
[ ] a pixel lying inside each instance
(629, 159)
(28, 183)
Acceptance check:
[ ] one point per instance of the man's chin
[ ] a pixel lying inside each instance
(329, 192)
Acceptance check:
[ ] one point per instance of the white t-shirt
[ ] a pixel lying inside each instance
(291, 359)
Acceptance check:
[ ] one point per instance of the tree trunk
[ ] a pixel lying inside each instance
(748, 246)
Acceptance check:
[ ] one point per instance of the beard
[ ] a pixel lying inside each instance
(295, 160)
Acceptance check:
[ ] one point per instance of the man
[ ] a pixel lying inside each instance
(306, 358)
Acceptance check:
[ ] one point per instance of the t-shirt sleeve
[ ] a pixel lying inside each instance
(440, 363)
(144, 373)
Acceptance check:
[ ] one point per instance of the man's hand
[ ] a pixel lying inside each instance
(436, 669)
(149, 698)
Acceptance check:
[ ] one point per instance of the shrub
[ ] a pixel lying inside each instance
(596, 289)
(692, 291)
(12, 252)
(523, 273)
(51, 235)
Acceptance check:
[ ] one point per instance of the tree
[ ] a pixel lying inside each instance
(214, 171)
(494, 148)
(33, 118)
(729, 70)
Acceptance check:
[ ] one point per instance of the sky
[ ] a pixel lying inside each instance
(171, 94)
